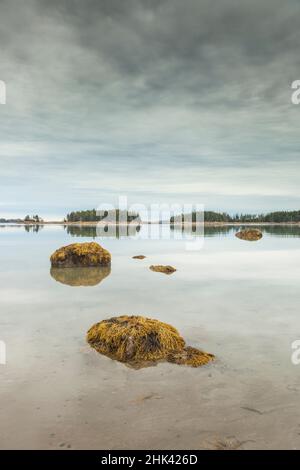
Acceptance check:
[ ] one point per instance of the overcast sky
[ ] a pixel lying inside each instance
(159, 100)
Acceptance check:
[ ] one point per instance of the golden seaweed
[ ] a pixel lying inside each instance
(250, 234)
(138, 341)
(162, 269)
(81, 255)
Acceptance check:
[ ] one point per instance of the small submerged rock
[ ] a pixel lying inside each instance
(162, 269)
(80, 255)
(78, 277)
(139, 342)
(250, 234)
(139, 257)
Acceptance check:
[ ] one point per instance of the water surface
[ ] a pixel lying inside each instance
(239, 300)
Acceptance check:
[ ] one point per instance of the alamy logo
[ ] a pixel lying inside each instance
(296, 94)
(2, 92)
(295, 358)
(125, 220)
(2, 353)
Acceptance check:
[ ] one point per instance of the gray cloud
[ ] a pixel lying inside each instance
(156, 99)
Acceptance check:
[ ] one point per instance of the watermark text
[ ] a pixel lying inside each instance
(295, 357)
(2, 353)
(2, 92)
(295, 98)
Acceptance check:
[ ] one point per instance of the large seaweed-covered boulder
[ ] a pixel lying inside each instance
(80, 277)
(250, 234)
(139, 341)
(80, 255)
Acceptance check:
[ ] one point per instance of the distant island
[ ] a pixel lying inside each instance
(118, 217)
(281, 217)
(34, 219)
(82, 217)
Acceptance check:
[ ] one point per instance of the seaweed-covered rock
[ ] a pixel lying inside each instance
(80, 276)
(162, 269)
(80, 255)
(139, 341)
(139, 257)
(191, 357)
(250, 234)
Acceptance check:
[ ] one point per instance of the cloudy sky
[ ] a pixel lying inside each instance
(160, 100)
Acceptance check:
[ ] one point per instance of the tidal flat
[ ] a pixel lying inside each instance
(237, 300)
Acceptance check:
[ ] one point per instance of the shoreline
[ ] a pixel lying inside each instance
(179, 224)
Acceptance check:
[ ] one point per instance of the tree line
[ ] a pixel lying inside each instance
(211, 216)
(113, 216)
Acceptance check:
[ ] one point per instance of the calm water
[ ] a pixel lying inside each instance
(236, 299)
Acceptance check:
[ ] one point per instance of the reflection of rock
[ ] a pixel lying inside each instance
(80, 276)
(163, 269)
(139, 257)
(250, 234)
(140, 342)
(80, 254)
